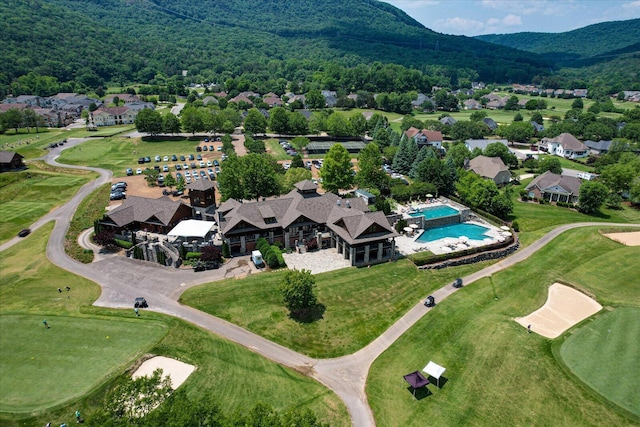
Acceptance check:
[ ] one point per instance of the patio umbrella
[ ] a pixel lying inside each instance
(430, 196)
(505, 228)
(414, 226)
(507, 233)
(408, 229)
(463, 239)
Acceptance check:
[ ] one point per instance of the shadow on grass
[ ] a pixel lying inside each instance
(419, 393)
(434, 381)
(309, 315)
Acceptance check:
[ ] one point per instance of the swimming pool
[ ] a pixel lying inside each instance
(436, 212)
(472, 231)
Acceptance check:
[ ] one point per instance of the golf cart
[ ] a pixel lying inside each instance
(457, 283)
(140, 303)
(430, 301)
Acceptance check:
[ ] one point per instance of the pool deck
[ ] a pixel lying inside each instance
(407, 243)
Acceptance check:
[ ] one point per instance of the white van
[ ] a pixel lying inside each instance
(256, 257)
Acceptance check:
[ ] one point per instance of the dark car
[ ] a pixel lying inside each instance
(200, 266)
(211, 148)
(140, 303)
(430, 301)
(24, 232)
(212, 265)
(147, 159)
(193, 166)
(178, 167)
(141, 160)
(117, 196)
(206, 139)
(457, 283)
(129, 172)
(198, 157)
(192, 157)
(198, 148)
(174, 158)
(204, 148)
(182, 158)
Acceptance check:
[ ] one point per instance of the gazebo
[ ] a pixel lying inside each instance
(416, 380)
(192, 228)
(434, 370)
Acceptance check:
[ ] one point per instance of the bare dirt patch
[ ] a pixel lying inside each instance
(564, 308)
(631, 238)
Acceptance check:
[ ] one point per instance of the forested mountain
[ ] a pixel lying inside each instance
(584, 46)
(96, 41)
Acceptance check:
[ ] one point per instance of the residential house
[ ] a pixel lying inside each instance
(241, 98)
(491, 124)
(580, 93)
(30, 100)
(210, 100)
(109, 116)
(472, 104)
(448, 121)
(272, 101)
(9, 106)
(10, 161)
(300, 98)
(127, 98)
(344, 225)
(142, 213)
(565, 145)
(221, 95)
(599, 147)
(421, 99)
(497, 103)
(425, 137)
(537, 127)
(555, 188)
(522, 102)
(330, 97)
(491, 168)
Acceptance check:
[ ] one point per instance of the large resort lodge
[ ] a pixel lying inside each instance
(295, 219)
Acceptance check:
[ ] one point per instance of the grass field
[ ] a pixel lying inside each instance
(360, 304)
(23, 200)
(90, 209)
(49, 367)
(28, 294)
(604, 353)
(119, 153)
(497, 374)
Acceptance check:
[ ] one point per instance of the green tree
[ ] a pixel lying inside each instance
(192, 120)
(537, 117)
(230, 179)
(357, 124)
(592, 195)
(298, 291)
(169, 180)
(171, 124)
(370, 172)
(149, 121)
(315, 100)
(434, 171)
(577, 104)
(298, 124)
(258, 176)
(405, 156)
(463, 130)
(180, 183)
(550, 163)
(296, 161)
(498, 149)
(293, 176)
(516, 131)
(12, 119)
(255, 122)
(337, 125)
(619, 176)
(477, 116)
(458, 153)
(151, 176)
(518, 117)
(279, 120)
(512, 103)
(336, 170)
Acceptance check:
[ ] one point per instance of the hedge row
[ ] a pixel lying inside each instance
(424, 258)
(271, 254)
(123, 244)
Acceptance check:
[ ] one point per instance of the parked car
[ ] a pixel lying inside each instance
(204, 148)
(140, 303)
(198, 148)
(129, 172)
(117, 196)
(147, 159)
(216, 163)
(219, 148)
(174, 158)
(209, 164)
(178, 167)
(211, 148)
(141, 160)
(24, 232)
(157, 158)
(430, 301)
(191, 157)
(177, 193)
(138, 171)
(202, 164)
(206, 139)
(156, 167)
(203, 174)
(185, 166)
(193, 165)
(198, 157)
(165, 159)
(179, 175)
(187, 174)
(165, 168)
(182, 158)
(457, 283)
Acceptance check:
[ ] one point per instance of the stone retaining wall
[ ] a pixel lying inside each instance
(472, 259)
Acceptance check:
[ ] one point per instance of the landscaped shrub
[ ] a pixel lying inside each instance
(210, 253)
(263, 246)
(272, 260)
(278, 253)
(400, 225)
(193, 255)
(123, 244)
(226, 253)
(515, 226)
(261, 242)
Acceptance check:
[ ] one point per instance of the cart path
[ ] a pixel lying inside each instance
(122, 279)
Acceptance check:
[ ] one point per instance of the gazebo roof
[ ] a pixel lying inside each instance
(416, 379)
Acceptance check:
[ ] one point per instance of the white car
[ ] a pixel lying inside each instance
(209, 164)
(202, 164)
(166, 158)
(187, 174)
(138, 171)
(165, 168)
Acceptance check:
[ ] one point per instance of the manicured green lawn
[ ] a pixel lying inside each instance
(73, 351)
(604, 353)
(497, 374)
(360, 304)
(90, 209)
(43, 368)
(568, 164)
(23, 200)
(119, 153)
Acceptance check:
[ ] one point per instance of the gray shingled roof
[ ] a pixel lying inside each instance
(568, 142)
(488, 167)
(142, 209)
(548, 180)
(7, 156)
(201, 185)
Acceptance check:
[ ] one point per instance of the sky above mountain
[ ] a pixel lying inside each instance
(475, 17)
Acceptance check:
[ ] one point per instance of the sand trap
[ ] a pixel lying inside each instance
(564, 308)
(177, 371)
(631, 238)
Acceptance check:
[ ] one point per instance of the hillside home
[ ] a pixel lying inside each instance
(491, 124)
(448, 121)
(344, 225)
(110, 116)
(142, 213)
(599, 147)
(425, 137)
(565, 145)
(471, 144)
(555, 188)
(472, 104)
(492, 168)
(241, 98)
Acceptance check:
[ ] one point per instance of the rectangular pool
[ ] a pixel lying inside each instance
(472, 231)
(436, 212)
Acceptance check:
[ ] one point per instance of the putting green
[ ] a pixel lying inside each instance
(605, 353)
(42, 368)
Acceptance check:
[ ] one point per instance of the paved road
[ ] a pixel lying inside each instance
(123, 279)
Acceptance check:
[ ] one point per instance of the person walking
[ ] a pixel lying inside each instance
(529, 329)
(136, 310)
(78, 417)
(46, 325)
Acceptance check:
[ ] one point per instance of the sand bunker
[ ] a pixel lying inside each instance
(564, 308)
(631, 238)
(177, 371)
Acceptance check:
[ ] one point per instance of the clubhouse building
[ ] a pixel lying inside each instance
(302, 215)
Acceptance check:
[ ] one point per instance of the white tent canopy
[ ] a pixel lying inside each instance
(434, 370)
(192, 228)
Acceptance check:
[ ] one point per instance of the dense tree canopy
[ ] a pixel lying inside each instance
(336, 170)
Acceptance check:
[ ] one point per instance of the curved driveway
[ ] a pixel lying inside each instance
(123, 279)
